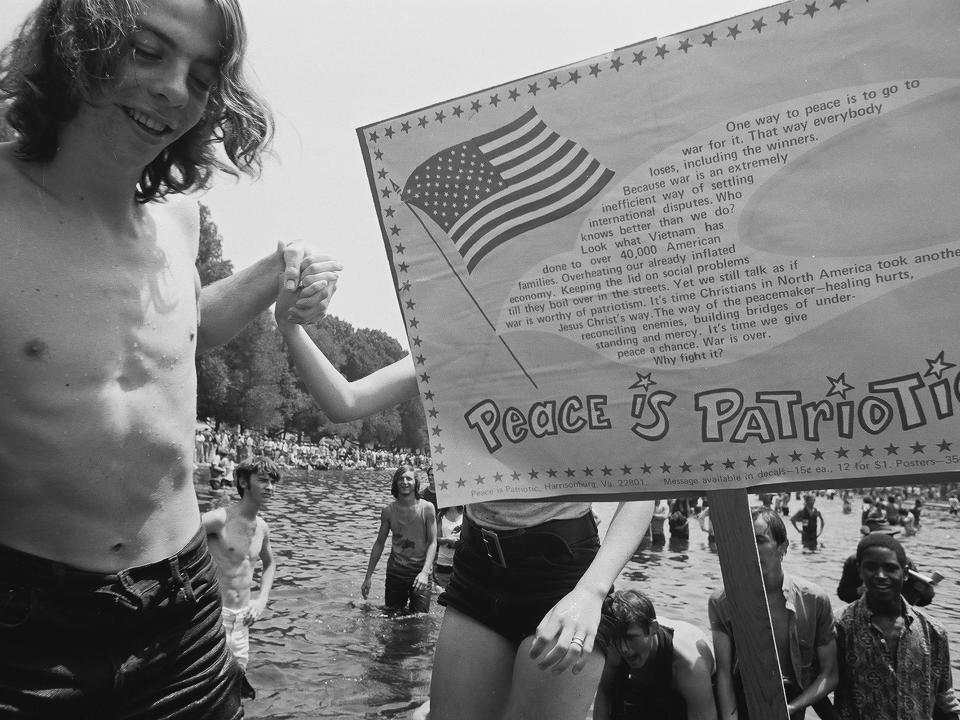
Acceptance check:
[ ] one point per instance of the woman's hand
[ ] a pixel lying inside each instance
(568, 630)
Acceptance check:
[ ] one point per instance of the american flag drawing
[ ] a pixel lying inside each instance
(496, 186)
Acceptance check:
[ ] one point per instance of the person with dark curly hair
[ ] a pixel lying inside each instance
(109, 604)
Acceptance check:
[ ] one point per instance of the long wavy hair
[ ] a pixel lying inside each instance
(65, 54)
(398, 473)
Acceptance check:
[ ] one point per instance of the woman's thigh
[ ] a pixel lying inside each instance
(472, 670)
(539, 694)
(480, 675)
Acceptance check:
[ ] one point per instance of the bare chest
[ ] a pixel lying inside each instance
(78, 303)
(99, 338)
(242, 540)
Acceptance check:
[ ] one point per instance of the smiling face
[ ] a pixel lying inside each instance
(882, 575)
(162, 81)
(406, 484)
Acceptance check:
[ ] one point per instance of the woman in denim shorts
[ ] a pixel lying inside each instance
(523, 607)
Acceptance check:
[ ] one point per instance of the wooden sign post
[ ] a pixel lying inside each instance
(743, 583)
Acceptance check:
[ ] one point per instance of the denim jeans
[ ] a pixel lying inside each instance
(400, 591)
(146, 642)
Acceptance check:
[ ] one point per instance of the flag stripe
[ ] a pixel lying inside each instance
(530, 183)
(524, 205)
(491, 188)
(537, 188)
(530, 171)
(494, 135)
(506, 165)
(575, 203)
(520, 141)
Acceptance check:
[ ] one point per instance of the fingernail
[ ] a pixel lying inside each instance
(290, 285)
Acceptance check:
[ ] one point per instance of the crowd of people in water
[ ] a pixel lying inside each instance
(118, 599)
(882, 657)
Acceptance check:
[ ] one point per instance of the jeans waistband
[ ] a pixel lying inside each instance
(553, 537)
(56, 575)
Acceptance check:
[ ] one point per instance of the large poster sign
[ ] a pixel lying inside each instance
(719, 259)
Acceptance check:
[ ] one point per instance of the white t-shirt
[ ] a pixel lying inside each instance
(449, 530)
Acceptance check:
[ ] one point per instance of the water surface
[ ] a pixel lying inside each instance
(320, 651)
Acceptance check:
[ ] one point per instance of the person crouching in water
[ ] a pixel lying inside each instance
(656, 668)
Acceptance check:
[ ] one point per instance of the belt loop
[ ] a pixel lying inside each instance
(494, 551)
(181, 579)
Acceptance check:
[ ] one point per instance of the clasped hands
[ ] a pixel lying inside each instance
(307, 284)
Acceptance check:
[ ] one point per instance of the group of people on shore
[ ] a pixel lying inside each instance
(214, 447)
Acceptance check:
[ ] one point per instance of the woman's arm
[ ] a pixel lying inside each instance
(578, 613)
(340, 399)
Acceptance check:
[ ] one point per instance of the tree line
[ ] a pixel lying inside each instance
(250, 381)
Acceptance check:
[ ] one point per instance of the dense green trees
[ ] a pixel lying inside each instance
(250, 382)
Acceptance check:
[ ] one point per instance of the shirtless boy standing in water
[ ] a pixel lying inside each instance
(109, 605)
(238, 538)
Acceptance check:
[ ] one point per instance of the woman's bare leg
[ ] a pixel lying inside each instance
(472, 671)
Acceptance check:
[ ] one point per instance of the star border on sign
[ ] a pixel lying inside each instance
(643, 381)
(938, 366)
(839, 386)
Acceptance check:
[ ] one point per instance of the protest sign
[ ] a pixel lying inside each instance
(715, 260)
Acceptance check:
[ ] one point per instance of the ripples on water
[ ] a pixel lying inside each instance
(320, 651)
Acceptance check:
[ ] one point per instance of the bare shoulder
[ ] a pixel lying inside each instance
(262, 526)
(17, 191)
(214, 520)
(684, 630)
(180, 216)
(690, 643)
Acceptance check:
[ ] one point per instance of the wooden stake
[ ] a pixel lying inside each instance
(743, 582)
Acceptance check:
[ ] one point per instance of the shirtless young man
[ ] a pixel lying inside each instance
(108, 599)
(238, 538)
